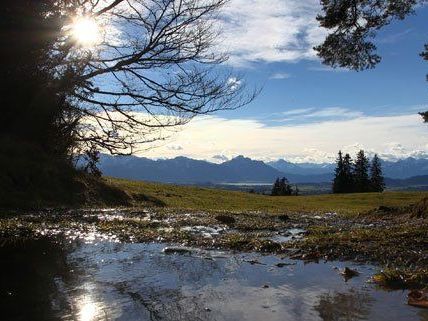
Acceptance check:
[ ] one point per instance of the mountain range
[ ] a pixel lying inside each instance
(183, 170)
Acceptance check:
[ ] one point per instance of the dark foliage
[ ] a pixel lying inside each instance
(282, 187)
(377, 182)
(361, 173)
(343, 178)
(91, 159)
(353, 177)
(353, 25)
(35, 136)
(339, 175)
(52, 109)
(424, 55)
(348, 168)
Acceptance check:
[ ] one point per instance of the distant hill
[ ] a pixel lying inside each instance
(183, 170)
(414, 181)
(405, 168)
(302, 168)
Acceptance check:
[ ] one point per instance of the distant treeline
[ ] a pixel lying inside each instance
(282, 187)
(359, 176)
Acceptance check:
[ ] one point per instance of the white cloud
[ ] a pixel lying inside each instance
(270, 30)
(234, 83)
(305, 115)
(220, 158)
(298, 111)
(280, 75)
(389, 136)
(328, 69)
(335, 112)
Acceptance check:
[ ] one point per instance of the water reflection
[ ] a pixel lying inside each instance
(353, 305)
(114, 281)
(88, 310)
(29, 271)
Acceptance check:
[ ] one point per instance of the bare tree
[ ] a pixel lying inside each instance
(153, 69)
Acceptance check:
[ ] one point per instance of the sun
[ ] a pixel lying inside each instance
(85, 31)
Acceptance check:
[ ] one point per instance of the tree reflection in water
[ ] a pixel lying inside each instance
(351, 306)
(102, 280)
(29, 272)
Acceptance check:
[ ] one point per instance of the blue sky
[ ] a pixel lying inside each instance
(396, 86)
(307, 111)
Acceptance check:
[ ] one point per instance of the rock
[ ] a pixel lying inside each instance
(280, 265)
(265, 286)
(253, 262)
(349, 273)
(177, 250)
(284, 217)
(418, 299)
(225, 219)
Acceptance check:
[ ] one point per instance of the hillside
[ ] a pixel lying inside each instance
(206, 199)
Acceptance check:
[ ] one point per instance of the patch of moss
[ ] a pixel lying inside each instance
(402, 278)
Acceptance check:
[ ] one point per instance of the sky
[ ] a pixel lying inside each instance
(306, 111)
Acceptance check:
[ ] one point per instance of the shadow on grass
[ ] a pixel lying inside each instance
(149, 200)
(75, 189)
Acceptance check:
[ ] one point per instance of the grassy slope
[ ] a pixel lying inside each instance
(149, 194)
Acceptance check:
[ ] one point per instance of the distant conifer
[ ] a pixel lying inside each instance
(348, 180)
(377, 182)
(339, 177)
(361, 176)
(276, 188)
(282, 187)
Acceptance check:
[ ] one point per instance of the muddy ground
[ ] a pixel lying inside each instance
(395, 239)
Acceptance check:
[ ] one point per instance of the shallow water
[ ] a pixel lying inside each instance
(105, 280)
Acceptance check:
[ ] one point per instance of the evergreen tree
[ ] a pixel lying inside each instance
(276, 188)
(361, 176)
(377, 182)
(339, 178)
(348, 181)
(282, 187)
(343, 180)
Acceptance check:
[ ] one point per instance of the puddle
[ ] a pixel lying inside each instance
(104, 280)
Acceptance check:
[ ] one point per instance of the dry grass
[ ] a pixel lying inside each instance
(196, 198)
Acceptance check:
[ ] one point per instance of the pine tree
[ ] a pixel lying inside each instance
(361, 176)
(377, 182)
(282, 187)
(276, 188)
(338, 182)
(348, 175)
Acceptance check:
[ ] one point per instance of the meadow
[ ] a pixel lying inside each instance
(207, 199)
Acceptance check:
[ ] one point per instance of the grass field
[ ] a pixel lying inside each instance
(195, 198)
